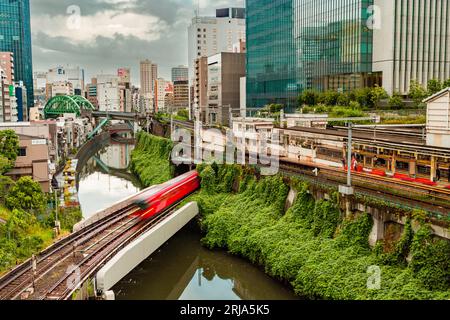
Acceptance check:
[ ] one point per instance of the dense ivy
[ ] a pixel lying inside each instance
(311, 246)
(150, 160)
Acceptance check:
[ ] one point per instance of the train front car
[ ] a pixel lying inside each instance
(162, 197)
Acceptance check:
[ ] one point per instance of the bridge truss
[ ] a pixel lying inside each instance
(59, 105)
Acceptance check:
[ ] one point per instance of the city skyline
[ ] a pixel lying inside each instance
(155, 30)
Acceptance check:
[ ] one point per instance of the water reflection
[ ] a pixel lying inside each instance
(105, 180)
(184, 270)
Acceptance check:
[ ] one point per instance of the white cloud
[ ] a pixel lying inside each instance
(106, 24)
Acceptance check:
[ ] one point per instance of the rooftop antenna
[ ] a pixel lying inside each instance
(197, 10)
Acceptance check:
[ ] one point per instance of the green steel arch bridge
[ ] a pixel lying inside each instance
(59, 105)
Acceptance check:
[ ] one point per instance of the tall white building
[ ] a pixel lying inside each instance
(108, 93)
(208, 36)
(410, 42)
(73, 75)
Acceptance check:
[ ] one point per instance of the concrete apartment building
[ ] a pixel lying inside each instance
(32, 161)
(8, 102)
(38, 150)
(224, 73)
(65, 74)
(211, 35)
(148, 73)
(7, 65)
(180, 73)
(180, 95)
(201, 84)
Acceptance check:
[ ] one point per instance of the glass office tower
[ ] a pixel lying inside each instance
(306, 44)
(271, 52)
(15, 36)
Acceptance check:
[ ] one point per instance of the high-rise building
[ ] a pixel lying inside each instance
(224, 73)
(180, 73)
(91, 92)
(211, 35)
(180, 95)
(67, 74)
(21, 101)
(124, 75)
(8, 101)
(108, 93)
(15, 36)
(201, 83)
(7, 65)
(149, 73)
(294, 45)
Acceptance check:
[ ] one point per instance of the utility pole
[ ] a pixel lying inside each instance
(348, 190)
(349, 155)
(57, 223)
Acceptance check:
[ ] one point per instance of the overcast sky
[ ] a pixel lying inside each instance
(114, 33)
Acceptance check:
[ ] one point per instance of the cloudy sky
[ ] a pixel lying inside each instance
(107, 34)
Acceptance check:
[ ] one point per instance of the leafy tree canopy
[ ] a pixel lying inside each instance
(26, 195)
(9, 144)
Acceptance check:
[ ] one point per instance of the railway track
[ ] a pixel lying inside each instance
(338, 176)
(13, 284)
(97, 254)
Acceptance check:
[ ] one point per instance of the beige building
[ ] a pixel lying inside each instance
(7, 65)
(201, 85)
(33, 161)
(224, 73)
(35, 114)
(180, 95)
(149, 73)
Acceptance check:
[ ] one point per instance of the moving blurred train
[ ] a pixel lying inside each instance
(159, 198)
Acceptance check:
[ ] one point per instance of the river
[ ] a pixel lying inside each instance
(181, 269)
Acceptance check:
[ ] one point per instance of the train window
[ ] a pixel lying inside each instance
(402, 165)
(424, 170)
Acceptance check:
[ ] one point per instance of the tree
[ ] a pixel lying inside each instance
(446, 84)
(310, 97)
(377, 94)
(434, 86)
(363, 96)
(18, 223)
(417, 92)
(343, 99)
(5, 165)
(5, 185)
(26, 195)
(9, 144)
(396, 101)
(275, 108)
(329, 98)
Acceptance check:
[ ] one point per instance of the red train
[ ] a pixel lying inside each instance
(158, 198)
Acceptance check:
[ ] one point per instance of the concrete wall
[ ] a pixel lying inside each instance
(140, 249)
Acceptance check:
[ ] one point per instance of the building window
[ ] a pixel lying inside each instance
(22, 152)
